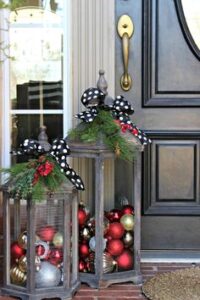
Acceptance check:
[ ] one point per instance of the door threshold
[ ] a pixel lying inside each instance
(171, 256)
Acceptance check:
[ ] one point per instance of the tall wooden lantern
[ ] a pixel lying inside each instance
(40, 246)
(104, 257)
(109, 243)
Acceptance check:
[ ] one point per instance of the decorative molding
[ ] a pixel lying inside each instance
(152, 95)
(185, 29)
(93, 48)
(93, 45)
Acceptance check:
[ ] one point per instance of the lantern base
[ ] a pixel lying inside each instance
(42, 293)
(97, 282)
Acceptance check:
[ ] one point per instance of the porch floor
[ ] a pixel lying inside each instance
(126, 291)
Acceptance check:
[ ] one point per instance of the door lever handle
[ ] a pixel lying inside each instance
(125, 29)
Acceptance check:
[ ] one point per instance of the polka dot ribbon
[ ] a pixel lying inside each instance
(93, 98)
(59, 150)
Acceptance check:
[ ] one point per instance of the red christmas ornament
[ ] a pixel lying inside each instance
(125, 260)
(82, 266)
(84, 250)
(46, 233)
(115, 247)
(114, 215)
(108, 237)
(128, 209)
(16, 251)
(115, 230)
(82, 216)
(55, 256)
(39, 250)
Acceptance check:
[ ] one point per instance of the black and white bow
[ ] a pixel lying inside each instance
(59, 150)
(121, 109)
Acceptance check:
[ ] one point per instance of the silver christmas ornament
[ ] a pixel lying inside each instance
(92, 243)
(45, 247)
(48, 276)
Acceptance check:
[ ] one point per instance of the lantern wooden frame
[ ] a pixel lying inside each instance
(70, 284)
(99, 153)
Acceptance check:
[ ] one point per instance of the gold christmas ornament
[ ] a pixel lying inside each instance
(106, 224)
(22, 240)
(108, 263)
(17, 276)
(58, 240)
(127, 221)
(22, 263)
(85, 233)
(128, 239)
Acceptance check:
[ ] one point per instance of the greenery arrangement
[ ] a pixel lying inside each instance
(13, 4)
(34, 178)
(105, 127)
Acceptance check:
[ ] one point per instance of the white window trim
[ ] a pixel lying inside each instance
(5, 91)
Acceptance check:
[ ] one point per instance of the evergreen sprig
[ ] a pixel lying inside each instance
(20, 179)
(104, 127)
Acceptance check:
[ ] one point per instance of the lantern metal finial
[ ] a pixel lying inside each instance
(43, 138)
(103, 86)
(102, 83)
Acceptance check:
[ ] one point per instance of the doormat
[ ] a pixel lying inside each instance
(181, 284)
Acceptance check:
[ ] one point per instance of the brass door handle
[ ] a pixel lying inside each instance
(125, 29)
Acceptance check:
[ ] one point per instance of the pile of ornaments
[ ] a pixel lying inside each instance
(48, 258)
(118, 240)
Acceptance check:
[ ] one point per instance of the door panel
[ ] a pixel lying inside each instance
(170, 67)
(166, 98)
(171, 175)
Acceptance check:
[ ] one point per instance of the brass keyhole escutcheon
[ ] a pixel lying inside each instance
(125, 29)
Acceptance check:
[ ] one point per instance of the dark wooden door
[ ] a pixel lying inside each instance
(165, 67)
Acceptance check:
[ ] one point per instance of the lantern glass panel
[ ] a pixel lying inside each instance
(106, 230)
(47, 231)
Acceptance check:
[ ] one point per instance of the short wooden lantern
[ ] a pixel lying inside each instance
(41, 246)
(104, 259)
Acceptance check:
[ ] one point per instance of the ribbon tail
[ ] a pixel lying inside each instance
(139, 134)
(74, 178)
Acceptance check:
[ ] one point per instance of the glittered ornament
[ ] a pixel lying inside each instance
(92, 243)
(125, 261)
(127, 221)
(48, 276)
(46, 233)
(114, 215)
(82, 216)
(127, 209)
(91, 224)
(84, 233)
(22, 263)
(115, 230)
(85, 208)
(128, 239)
(17, 276)
(84, 250)
(55, 256)
(42, 249)
(16, 251)
(82, 265)
(22, 240)
(108, 263)
(58, 239)
(106, 224)
(115, 247)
